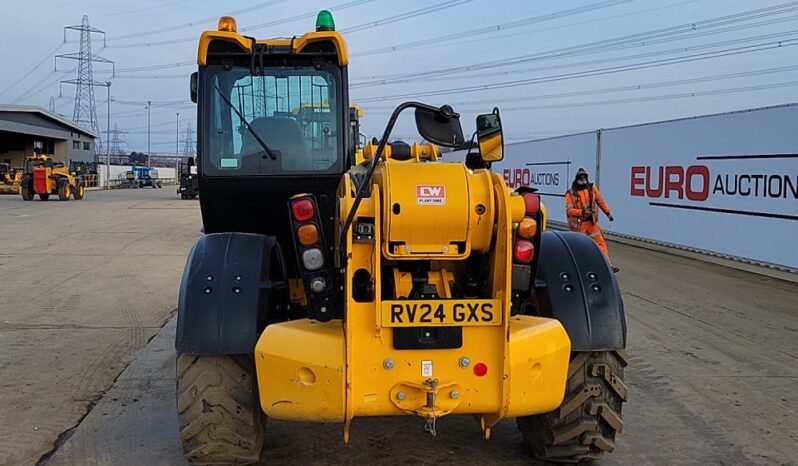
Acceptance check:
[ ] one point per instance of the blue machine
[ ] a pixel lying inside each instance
(146, 176)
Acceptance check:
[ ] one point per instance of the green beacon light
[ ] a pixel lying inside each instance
(325, 21)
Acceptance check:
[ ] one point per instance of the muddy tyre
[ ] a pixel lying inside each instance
(220, 417)
(64, 190)
(80, 191)
(583, 428)
(26, 188)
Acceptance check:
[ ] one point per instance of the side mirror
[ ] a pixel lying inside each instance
(440, 126)
(490, 136)
(193, 86)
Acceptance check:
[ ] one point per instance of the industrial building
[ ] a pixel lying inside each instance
(24, 127)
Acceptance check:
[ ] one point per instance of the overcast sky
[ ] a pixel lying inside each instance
(649, 59)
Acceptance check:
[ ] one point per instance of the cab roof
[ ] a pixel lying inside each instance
(303, 44)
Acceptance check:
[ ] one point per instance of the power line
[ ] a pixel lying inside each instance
(372, 24)
(634, 87)
(683, 95)
(302, 16)
(465, 38)
(403, 16)
(140, 10)
(155, 103)
(155, 76)
(596, 72)
(593, 62)
(657, 97)
(606, 44)
(197, 22)
(496, 28)
(255, 27)
(162, 66)
(40, 85)
(35, 67)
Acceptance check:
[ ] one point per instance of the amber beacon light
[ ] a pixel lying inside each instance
(227, 23)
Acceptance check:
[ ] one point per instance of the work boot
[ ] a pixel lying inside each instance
(615, 269)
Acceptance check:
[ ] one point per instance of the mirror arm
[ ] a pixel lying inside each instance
(471, 143)
(361, 191)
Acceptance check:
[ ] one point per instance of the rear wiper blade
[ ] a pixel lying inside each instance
(246, 124)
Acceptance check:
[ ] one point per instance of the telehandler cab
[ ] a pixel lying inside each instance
(325, 289)
(44, 176)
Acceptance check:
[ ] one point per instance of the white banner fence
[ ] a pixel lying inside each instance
(725, 184)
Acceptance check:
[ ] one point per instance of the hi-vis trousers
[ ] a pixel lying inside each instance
(594, 231)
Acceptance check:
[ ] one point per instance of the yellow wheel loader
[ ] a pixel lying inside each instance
(44, 177)
(327, 288)
(10, 179)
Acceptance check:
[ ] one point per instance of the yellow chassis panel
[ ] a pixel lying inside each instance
(300, 368)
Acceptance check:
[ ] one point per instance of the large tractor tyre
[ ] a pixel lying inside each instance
(44, 196)
(64, 190)
(584, 426)
(26, 188)
(79, 192)
(219, 411)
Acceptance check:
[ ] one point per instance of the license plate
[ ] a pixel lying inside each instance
(442, 313)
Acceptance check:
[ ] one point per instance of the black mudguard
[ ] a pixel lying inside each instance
(227, 285)
(576, 285)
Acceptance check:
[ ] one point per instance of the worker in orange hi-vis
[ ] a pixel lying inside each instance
(582, 202)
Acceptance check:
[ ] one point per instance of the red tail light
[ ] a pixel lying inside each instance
(302, 210)
(480, 369)
(523, 251)
(532, 202)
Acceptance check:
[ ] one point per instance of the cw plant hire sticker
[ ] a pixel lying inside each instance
(430, 194)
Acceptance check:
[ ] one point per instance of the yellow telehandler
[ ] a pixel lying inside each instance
(44, 176)
(327, 287)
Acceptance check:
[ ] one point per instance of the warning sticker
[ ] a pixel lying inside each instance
(426, 368)
(430, 194)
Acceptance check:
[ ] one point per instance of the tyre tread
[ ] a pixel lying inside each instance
(220, 419)
(585, 425)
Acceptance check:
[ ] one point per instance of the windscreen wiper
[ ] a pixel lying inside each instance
(246, 124)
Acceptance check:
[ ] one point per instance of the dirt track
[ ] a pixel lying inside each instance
(85, 285)
(713, 376)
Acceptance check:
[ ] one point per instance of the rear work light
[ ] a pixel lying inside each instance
(308, 234)
(313, 259)
(302, 210)
(528, 228)
(532, 203)
(523, 251)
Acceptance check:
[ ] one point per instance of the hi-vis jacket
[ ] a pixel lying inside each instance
(577, 201)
